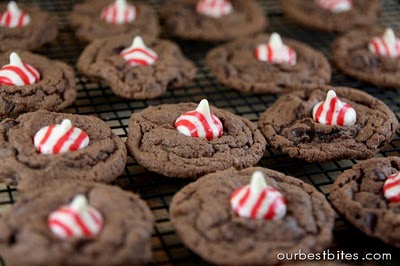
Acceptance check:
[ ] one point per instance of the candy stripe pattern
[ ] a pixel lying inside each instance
(258, 200)
(55, 139)
(214, 8)
(386, 46)
(275, 52)
(119, 13)
(334, 112)
(391, 188)
(335, 6)
(76, 220)
(200, 123)
(138, 54)
(14, 17)
(18, 73)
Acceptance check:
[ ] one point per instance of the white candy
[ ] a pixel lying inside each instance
(76, 220)
(214, 8)
(258, 200)
(341, 114)
(119, 12)
(14, 17)
(336, 6)
(275, 51)
(386, 46)
(138, 54)
(17, 73)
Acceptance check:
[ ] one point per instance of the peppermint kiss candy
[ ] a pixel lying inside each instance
(138, 54)
(334, 112)
(214, 8)
(275, 51)
(55, 139)
(387, 45)
(391, 188)
(119, 12)
(18, 73)
(77, 220)
(335, 6)
(258, 200)
(200, 123)
(14, 17)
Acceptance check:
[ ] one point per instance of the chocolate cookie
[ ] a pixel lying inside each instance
(124, 239)
(309, 14)
(207, 224)
(21, 164)
(235, 65)
(288, 126)
(55, 90)
(155, 143)
(359, 195)
(41, 29)
(352, 56)
(182, 20)
(102, 60)
(88, 23)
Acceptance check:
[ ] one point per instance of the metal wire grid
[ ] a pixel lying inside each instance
(157, 191)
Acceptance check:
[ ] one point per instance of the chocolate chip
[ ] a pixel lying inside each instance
(298, 132)
(370, 221)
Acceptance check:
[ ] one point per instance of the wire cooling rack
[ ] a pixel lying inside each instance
(157, 191)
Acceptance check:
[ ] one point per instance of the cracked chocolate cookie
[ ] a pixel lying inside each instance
(195, 20)
(206, 217)
(333, 16)
(289, 125)
(28, 235)
(352, 55)
(39, 147)
(238, 65)
(44, 84)
(95, 19)
(155, 142)
(367, 195)
(25, 27)
(138, 69)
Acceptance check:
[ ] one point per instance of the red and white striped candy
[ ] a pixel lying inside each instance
(214, 8)
(14, 17)
(387, 45)
(18, 73)
(258, 200)
(275, 52)
(119, 12)
(200, 123)
(334, 112)
(138, 54)
(335, 6)
(55, 139)
(391, 188)
(76, 220)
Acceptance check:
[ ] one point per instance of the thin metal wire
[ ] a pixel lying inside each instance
(157, 191)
